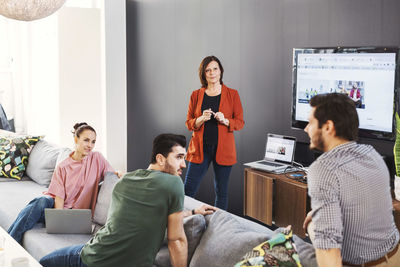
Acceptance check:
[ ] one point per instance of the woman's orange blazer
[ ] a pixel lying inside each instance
(231, 107)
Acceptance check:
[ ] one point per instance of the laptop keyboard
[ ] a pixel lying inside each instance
(270, 163)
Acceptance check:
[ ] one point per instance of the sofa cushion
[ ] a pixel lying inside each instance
(38, 243)
(191, 203)
(277, 251)
(63, 154)
(14, 197)
(194, 227)
(14, 153)
(24, 178)
(306, 252)
(42, 162)
(226, 240)
(104, 198)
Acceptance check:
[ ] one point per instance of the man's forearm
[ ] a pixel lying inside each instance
(178, 251)
(329, 258)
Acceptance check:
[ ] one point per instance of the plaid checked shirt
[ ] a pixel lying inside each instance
(351, 203)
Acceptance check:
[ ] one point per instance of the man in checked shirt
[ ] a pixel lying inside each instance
(349, 188)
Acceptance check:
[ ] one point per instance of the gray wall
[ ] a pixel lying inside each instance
(167, 39)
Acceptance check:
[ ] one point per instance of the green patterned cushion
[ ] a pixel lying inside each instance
(14, 153)
(277, 251)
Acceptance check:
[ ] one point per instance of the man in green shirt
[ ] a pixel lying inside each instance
(144, 204)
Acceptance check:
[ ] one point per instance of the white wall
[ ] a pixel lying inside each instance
(80, 72)
(116, 103)
(93, 75)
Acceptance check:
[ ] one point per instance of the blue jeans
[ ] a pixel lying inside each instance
(68, 257)
(196, 172)
(29, 216)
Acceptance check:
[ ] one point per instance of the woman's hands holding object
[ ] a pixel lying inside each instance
(219, 116)
(207, 114)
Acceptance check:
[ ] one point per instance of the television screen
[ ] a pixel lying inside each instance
(366, 75)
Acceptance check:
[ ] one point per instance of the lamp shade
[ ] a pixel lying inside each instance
(28, 10)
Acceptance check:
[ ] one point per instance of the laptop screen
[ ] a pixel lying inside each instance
(280, 148)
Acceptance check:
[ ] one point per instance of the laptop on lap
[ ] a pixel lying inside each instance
(68, 221)
(279, 154)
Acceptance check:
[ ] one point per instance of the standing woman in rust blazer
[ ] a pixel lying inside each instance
(214, 112)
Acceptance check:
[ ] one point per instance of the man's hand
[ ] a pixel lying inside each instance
(205, 209)
(307, 220)
(119, 173)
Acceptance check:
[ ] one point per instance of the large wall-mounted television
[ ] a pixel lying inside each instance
(368, 75)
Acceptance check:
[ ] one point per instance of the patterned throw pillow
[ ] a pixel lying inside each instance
(278, 251)
(14, 153)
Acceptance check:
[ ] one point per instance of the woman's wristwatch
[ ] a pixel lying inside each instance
(193, 211)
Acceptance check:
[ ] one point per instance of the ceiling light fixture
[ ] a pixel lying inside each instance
(28, 10)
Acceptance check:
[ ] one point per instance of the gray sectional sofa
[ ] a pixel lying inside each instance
(220, 239)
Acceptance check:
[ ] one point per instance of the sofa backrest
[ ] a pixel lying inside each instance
(104, 198)
(42, 162)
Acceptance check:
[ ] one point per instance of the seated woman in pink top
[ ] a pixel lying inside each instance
(74, 184)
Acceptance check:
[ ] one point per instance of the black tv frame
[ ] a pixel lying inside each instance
(363, 133)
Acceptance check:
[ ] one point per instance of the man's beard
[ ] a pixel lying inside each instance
(169, 169)
(317, 143)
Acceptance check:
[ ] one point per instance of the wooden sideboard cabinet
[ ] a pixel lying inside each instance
(275, 199)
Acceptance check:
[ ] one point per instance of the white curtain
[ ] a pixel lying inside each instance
(29, 71)
(9, 84)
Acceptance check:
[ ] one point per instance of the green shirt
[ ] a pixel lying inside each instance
(137, 220)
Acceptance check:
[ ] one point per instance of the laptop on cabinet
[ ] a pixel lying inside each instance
(278, 156)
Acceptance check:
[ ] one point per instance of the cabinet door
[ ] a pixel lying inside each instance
(258, 196)
(290, 205)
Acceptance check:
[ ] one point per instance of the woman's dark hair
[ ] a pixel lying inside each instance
(80, 127)
(340, 109)
(164, 143)
(202, 69)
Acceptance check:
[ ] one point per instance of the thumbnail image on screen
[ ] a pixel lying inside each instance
(353, 89)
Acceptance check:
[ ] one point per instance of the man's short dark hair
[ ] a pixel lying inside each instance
(340, 109)
(164, 143)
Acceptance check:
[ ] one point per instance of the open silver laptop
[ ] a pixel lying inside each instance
(279, 154)
(68, 221)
